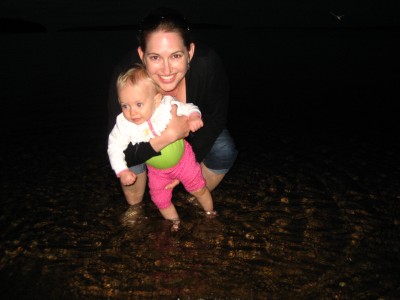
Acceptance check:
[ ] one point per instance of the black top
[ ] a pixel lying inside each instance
(206, 86)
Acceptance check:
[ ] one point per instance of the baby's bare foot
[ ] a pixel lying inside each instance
(175, 225)
(211, 213)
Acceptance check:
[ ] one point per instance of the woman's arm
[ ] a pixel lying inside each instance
(208, 88)
(177, 128)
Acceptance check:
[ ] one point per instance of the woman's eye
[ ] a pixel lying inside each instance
(176, 56)
(153, 57)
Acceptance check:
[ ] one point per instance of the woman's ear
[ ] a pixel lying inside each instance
(141, 53)
(191, 51)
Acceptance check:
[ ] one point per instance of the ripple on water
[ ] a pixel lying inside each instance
(295, 226)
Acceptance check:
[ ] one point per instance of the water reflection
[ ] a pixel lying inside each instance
(296, 222)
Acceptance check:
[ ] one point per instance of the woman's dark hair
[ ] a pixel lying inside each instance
(165, 19)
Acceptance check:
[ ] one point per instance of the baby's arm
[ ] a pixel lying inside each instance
(118, 141)
(195, 122)
(127, 177)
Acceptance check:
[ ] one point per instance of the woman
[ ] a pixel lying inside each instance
(190, 73)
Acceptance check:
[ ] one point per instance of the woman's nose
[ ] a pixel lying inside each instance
(166, 69)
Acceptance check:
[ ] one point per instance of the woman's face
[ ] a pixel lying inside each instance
(166, 59)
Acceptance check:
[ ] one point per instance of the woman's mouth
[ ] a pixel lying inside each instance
(167, 79)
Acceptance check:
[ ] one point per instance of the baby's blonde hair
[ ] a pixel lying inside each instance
(135, 75)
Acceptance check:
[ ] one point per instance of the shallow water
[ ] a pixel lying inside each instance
(307, 219)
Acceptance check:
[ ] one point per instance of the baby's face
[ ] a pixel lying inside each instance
(138, 102)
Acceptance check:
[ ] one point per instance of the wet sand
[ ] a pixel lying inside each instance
(309, 211)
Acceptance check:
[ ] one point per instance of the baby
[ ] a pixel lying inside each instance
(145, 114)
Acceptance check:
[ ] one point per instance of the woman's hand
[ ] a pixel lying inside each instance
(178, 127)
(173, 184)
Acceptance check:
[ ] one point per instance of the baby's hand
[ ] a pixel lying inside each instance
(195, 122)
(127, 177)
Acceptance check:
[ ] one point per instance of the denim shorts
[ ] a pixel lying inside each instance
(222, 154)
(219, 160)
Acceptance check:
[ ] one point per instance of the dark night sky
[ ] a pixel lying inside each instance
(59, 14)
(335, 59)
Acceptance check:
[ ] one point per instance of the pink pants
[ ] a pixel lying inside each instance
(187, 171)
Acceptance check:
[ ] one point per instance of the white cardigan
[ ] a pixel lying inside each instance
(125, 132)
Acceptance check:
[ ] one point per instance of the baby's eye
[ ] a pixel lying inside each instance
(139, 104)
(125, 106)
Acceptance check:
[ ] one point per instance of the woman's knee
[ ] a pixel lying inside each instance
(134, 193)
(222, 155)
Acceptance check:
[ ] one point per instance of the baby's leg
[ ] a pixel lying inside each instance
(165, 206)
(171, 214)
(161, 196)
(204, 197)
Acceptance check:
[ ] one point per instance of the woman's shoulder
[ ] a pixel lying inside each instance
(205, 60)
(204, 51)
